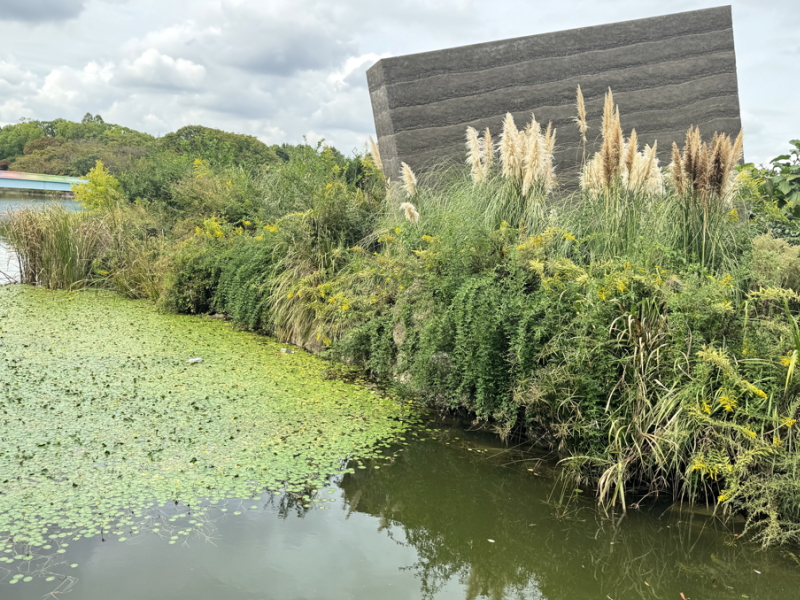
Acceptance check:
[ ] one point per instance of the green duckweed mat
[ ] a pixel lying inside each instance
(102, 419)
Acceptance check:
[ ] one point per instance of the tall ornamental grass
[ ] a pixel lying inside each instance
(55, 247)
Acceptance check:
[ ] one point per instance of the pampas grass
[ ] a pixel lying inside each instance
(409, 180)
(526, 157)
(410, 212)
(510, 151)
(475, 154)
(583, 124)
(480, 154)
(619, 163)
(488, 153)
(703, 176)
(706, 169)
(376, 154)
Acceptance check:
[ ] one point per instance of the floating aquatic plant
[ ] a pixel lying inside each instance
(102, 419)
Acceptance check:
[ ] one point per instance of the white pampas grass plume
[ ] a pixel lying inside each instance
(488, 153)
(376, 155)
(475, 155)
(537, 163)
(654, 183)
(548, 168)
(583, 125)
(410, 211)
(511, 151)
(592, 178)
(409, 179)
(533, 147)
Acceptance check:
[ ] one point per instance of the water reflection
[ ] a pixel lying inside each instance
(488, 525)
(420, 527)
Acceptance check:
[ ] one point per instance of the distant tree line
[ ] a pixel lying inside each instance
(62, 147)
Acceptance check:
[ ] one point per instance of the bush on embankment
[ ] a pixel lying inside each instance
(643, 328)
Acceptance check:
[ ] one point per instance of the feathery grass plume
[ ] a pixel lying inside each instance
(532, 157)
(488, 153)
(410, 211)
(591, 178)
(700, 177)
(376, 155)
(537, 164)
(613, 141)
(631, 150)
(605, 166)
(409, 179)
(704, 177)
(717, 163)
(676, 168)
(583, 125)
(706, 169)
(655, 179)
(691, 150)
(475, 155)
(548, 167)
(511, 151)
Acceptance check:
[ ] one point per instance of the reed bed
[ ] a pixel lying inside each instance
(56, 248)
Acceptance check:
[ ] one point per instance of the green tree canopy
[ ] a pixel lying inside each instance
(219, 148)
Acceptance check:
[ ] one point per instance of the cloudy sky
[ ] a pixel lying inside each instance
(284, 69)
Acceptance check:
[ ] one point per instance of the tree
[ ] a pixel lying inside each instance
(14, 137)
(102, 192)
(219, 148)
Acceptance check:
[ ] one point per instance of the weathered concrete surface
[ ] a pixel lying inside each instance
(667, 73)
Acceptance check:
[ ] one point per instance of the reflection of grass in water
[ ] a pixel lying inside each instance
(446, 502)
(104, 421)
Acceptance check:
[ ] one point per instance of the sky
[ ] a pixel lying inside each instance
(282, 70)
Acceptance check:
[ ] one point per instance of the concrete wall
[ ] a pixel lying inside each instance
(667, 73)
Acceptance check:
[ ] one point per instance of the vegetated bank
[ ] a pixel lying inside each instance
(643, 328)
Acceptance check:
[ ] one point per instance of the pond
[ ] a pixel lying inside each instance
(131, 471)
(13, 200)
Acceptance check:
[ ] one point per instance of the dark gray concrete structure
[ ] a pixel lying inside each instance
(667, 73)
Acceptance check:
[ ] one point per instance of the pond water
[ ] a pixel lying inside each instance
(12, 200)
(129, 472)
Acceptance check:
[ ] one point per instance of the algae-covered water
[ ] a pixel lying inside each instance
(127, 472)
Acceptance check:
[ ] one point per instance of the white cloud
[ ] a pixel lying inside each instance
(65, 85)
(158, 70)
(280, 69)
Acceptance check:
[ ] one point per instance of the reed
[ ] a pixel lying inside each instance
(56, 248)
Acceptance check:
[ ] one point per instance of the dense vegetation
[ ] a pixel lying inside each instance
(644, 327)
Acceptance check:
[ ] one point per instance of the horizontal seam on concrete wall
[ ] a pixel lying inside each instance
(576, 77)
(511, 62)
(626, 115)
